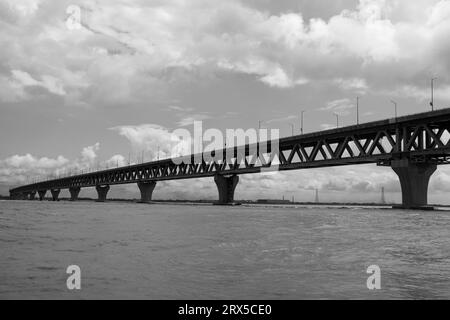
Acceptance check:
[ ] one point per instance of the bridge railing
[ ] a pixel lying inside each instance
(421, 137)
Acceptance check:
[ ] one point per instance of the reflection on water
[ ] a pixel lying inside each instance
(163, 251)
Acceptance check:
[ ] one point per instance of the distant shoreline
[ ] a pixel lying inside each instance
(252, 202)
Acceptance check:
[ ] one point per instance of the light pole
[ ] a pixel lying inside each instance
(337, 120)
(357, 110)
(395, 106)
(432, 93)
(292, 128)
(301, 121)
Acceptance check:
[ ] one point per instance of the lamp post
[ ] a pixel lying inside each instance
(395, 107)
(357, 110)
(432, 93)
(292, 128)
(301, 121)
(337, 119)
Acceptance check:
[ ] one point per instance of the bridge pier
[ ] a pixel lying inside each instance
(14, 196)
(55, 194)
(146, 189)
(74, 192)
(102, 191)
(32, 195)
(41, 194)
(414, 178)
(226, 187)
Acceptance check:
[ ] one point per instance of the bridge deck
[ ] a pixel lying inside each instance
(420, 137)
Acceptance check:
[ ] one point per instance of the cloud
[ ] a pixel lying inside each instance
(179, 109)
(151, 138)
(283, 119)
(153, 46)
(341, 106)
(88, 154)
(116, 160)
(48, 82)
(357, 84)
(21, 169)
(190, 119)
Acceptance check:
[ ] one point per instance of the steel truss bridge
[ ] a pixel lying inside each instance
(412, 145)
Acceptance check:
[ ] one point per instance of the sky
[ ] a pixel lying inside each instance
(115, 83)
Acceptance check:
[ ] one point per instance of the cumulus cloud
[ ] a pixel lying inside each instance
(27, 168)
(376, 45)
(88, 154)
(154, 140)
(20, 168)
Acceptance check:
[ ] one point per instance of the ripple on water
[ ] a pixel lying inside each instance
(180, 252)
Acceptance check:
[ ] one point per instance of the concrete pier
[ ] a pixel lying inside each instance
(32, 195)
(74, 192)
(414, 178)
(146, 189)
(41, 194)
(102, 192)
(226, 186)
(55, 194)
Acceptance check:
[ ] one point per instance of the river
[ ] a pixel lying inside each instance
(172, 251)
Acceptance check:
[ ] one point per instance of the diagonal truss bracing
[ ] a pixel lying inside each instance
(420, 137)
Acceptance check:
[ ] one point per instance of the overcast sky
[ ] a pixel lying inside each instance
(137, 70)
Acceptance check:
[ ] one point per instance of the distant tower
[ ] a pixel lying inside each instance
(383, 200)
(317, 196)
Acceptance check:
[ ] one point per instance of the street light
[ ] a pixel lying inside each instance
(301, 121)
(395, 106)
(337, 120)
(432, 93)
(357, 110)
(292, 128)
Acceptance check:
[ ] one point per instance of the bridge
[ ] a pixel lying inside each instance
(411, 145)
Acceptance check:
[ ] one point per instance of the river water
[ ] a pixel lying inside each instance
(167, 251)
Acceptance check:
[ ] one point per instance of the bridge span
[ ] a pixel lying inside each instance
(411, 145)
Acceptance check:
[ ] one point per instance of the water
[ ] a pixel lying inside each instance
(164, 251)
